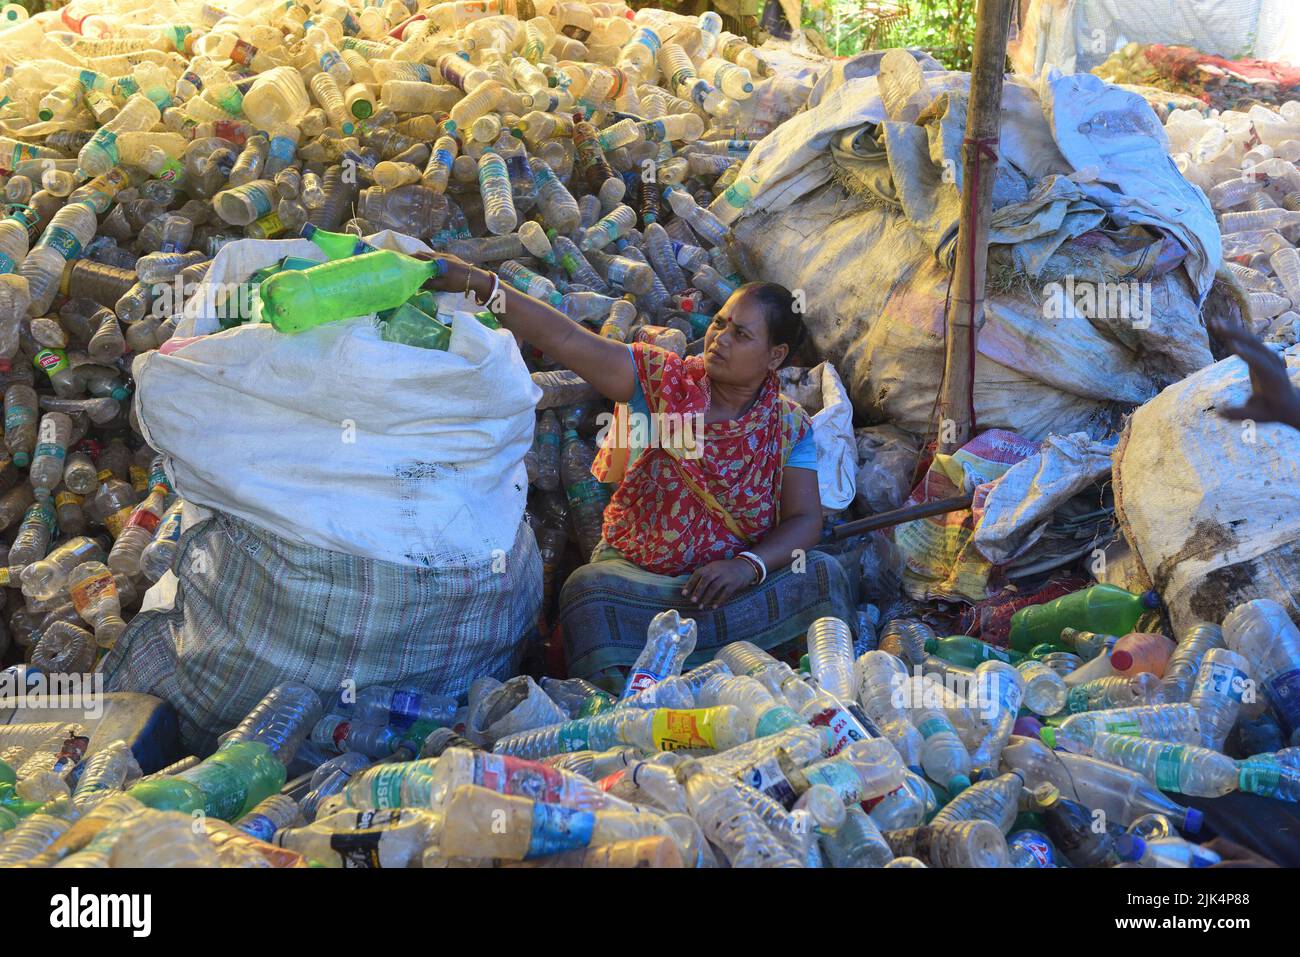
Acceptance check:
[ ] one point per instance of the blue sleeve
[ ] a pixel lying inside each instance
(804, 453)
(637, 403)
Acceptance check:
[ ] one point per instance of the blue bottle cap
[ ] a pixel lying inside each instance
(1194, 821)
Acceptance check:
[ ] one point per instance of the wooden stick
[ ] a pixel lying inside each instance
(898, 516)
(966, 305)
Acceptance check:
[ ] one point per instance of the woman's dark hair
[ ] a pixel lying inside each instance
(784, 325)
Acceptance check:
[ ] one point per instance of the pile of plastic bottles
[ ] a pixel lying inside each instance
(1246, 164)
(587, 153)
(1060, 751)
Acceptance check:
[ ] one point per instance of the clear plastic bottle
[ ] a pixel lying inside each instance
(669, 642)
(1115, 691)
(44, 579)
(105, 772)
(281, 721)
(160, 553)
(379, 705)
(1184, 768)
(1221, 684)
(94, 595)
(960, 844)
(393, 838)
(661, 729)
(587, 496)
(1045, 692)
(728, 822)
(71, 229)
(862, 771)
(124, 558)
(1260, 631)
(943, 756)
(273, 814)
(830, 656)
(1182, 667)
(338, 733)
(1163, 722)
(996, 800)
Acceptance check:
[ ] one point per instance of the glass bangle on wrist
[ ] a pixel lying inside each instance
(760, 568)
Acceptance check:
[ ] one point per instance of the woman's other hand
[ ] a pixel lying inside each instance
(1272, 398)
(714, 583)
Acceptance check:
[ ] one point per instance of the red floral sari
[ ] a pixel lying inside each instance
(681, 507)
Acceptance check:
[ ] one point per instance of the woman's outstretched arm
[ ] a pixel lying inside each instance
(604, 363)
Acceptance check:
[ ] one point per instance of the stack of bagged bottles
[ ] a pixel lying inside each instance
(1246, 164)
(588, 153)
(1073, 748)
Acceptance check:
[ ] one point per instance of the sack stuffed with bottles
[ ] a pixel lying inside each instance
(336, 438)
(353, 508)
(1209, 506)
(823, 396)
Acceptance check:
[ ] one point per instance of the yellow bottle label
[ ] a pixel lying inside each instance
(117, 521)
(139, 478)
(68, 498)
(675, 729)
(89, 590)
(104, 475)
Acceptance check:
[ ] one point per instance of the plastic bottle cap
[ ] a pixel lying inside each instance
(958, 783)
(1150, 599)
(1130, 847)
(931, 645)
(22, 459)
(1121, 660)
(1194, 821)
(1048, 736)
(120, 393)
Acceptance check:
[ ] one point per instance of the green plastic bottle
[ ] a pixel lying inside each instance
(1100, 608)
(226, 785)
(294, 301)
(335, 245)
(414, 327)
(968, 651)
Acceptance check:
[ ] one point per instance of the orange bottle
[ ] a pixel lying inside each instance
(1141, 651)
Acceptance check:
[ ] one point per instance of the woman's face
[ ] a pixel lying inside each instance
(737, 350)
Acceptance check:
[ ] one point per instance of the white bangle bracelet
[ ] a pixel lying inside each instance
(762, 565)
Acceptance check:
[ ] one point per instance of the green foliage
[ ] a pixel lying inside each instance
(943, 28)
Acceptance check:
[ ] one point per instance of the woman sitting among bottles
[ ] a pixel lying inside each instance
(716, 517)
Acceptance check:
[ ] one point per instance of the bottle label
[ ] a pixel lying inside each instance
(67, 498)
(62, 241)
(403, 709)
(933, 726)
(767, 777)
(51, 449)
(193, 79)
(50, 361)
(1168, 764)
(1223, 679)
(259, 826)
(386, 785)
(776, 719)
(557, 829)
(574, 736)
(1262, 779)
(143, 518)
(359, 851)
(243, 52)
(1284, 691)
(117, 521)
(1122, 727)
(839, 775)
(282, 148)
(515, 776)
(639, 680)
(88, 591)
(180, 37)
(843, 727)
(103, 475)
(674, 730)
(16, 416)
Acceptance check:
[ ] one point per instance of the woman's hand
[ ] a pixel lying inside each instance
(714, 583)
(1272, 398)
(456, 274)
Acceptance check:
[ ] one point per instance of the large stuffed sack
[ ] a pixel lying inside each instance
(1211, 507)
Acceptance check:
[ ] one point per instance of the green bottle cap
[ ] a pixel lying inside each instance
(1048, 735)
(932, 646)
(22, 459)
